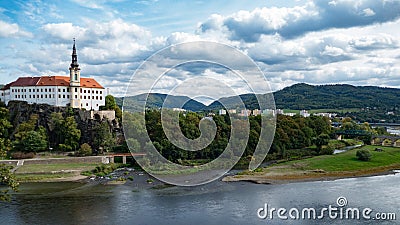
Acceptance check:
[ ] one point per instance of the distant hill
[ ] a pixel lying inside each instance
(339, 96)
(155, 100)
(298, 96)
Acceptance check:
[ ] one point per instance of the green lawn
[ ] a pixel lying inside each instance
(347, 161)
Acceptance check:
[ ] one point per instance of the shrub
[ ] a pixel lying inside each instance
(327, 151)
(363, 155)
(22, 155)
(85, 150)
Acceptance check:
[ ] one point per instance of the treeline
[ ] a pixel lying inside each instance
(291, 133)
(58, 132)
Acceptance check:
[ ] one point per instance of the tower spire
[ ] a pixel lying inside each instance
(74, 63)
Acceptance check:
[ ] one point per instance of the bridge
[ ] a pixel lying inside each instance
(111, 157)
(353, 132)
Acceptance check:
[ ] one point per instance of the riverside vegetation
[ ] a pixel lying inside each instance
(295, 138)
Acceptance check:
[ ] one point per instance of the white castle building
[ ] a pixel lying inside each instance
(71, 91)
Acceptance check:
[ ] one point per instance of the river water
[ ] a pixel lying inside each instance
(214, 203)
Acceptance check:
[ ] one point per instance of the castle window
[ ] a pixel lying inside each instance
(30, 96)
(92, 92)
(45, 90)
(97, 97)
(41, 96)
(41, 90)
(81, 90)
(67, 96)
(67, 89)
(97, 92)
(101, 92)
(93, 97)
(63, 96)
(59, 90)
(37, 96)
(84, 97)
(29, 90)
(87, 104)
(76, 96)
(59, 96)
(76, 89)
(45, 96)
(84, 91)
(76, 77)
(101, 97)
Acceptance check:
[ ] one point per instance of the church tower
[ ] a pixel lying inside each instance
(75, 80)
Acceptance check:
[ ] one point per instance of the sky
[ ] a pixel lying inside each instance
(301, 41)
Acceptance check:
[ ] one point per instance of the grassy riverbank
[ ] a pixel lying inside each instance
(53, 172)
(325, 167)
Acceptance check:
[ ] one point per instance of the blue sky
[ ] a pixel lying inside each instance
(311, 41)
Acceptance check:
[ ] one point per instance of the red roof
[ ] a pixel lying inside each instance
(25, 81)
(51, 81)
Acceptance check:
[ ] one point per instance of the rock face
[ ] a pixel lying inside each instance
(86, 120)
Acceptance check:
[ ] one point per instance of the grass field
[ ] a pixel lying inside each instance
(51, 172)
(327, 166)
(49, 168)
(347, 161)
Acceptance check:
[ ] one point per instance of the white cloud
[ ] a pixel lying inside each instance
(316, 15)
(12, 30)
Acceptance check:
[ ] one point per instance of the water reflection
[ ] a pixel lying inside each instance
(215, 203)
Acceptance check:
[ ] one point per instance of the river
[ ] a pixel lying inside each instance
(214, 203)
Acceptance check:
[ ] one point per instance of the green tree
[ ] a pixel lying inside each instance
(111, 104)
(72, 134)
(363, 155)
(322, 139)
(6, 176)
(104, 138)
(85, 150)
(33, 141)
(29, 137)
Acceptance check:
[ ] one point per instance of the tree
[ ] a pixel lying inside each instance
(33, 141)
(6, 176)
(85, 150)
(30, 138)
(104, 138)
(111, 104)
(72, 134)
(363, 155)
(322, 139)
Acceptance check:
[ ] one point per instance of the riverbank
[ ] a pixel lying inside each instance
(326, 167)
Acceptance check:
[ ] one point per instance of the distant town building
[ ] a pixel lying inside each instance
(256, 112)
(289, 114)
(245, 112)
(179, 110)
(232, 111)
(329, 115)
(222, 112)
(304, 113)
(71, 91)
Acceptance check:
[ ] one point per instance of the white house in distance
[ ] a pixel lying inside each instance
(71, 91)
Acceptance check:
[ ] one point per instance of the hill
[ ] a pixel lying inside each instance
(297, 97)
(156, 100)
(338, 96)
